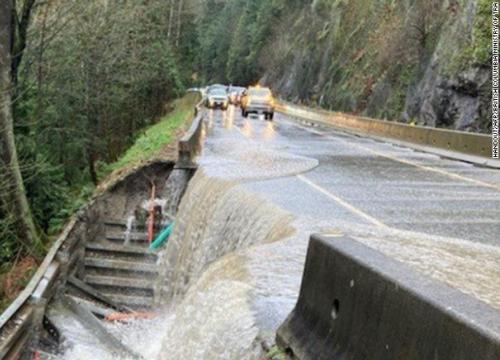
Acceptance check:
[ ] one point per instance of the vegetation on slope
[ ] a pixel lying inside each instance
(416, 61)
(154, 139)
(148, 146)
(79, 82)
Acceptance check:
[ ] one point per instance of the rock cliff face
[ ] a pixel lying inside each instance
(422, 61)
(455, 89)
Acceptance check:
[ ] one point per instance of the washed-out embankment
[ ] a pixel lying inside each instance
(25, 323)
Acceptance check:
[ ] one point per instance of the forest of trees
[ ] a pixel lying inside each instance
(78, 81)
(232, 35)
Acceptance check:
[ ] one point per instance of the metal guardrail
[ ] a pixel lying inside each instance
(445, 142)
(21, 321)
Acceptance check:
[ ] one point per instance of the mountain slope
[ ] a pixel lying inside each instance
(424, 61)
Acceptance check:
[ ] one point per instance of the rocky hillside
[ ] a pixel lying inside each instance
(424, 61)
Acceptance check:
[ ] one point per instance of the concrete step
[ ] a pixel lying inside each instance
(130, 249)
(124, 252)
(121, 265)
(142, 287)
(132, 301)
(115, 223)
(93, 306)
(120, 273)
(119, 281)
(135, 239)
(81, 289)
(121, 225)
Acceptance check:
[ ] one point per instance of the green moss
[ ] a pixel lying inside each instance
(481, 34)
(477, 49)
(275, 353)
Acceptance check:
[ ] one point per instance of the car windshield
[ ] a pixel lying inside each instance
(218, 92)
(259, 92)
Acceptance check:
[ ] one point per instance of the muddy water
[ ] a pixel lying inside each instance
(216, 218)
(233, 267)
(174, 189)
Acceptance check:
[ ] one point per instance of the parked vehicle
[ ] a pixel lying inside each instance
(258, 100)
(217, 98)
(235, 93)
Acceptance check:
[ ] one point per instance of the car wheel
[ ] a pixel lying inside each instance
(271, 116)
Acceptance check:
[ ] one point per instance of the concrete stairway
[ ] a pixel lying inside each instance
(118, 277)
(124, 273)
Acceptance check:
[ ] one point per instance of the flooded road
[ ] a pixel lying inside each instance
(233, 267)
(259, 171)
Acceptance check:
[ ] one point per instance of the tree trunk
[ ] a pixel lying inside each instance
(19, 31)
(15, 194)
(170, 20)
(91, 97)
(179, 23)
(91, 159)
(40, 69)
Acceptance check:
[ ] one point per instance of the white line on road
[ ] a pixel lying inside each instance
(342, 202)
(407, 162)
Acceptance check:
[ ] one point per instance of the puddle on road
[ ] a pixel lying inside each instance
(231, 155)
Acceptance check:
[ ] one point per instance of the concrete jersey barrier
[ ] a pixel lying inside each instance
(191, 143)
(472, 144)
(356, 303)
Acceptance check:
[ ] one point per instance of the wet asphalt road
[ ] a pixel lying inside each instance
(364, 181)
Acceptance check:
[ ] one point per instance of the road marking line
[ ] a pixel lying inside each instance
(436, 170)
(341, 202)
(407, 162)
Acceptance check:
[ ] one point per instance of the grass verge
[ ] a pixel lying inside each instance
(157, 137)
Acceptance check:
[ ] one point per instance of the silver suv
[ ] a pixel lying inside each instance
(258, 100)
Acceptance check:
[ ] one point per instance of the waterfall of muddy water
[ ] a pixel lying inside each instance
(147, 204)
(215, 218)
(129, 228)
(174, 188)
